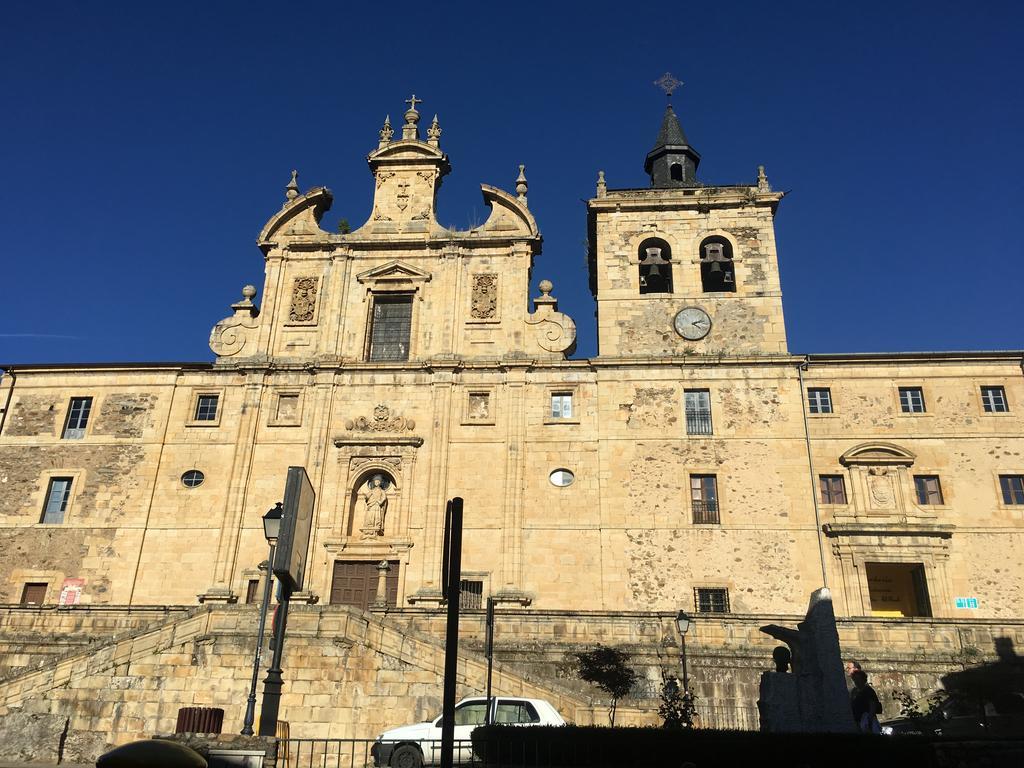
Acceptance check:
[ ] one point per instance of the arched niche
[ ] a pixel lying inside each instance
(717, 269)
(655, 259)
(373, 503)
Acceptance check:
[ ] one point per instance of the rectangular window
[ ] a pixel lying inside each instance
(994, 400)
(78, 418)
(704, 499)
(471, 593)
(912, 399)
(1013, 488)
(252, 590)
(561, 405)
(819, 400)
(833, 489)
(33, 594)
(390, 327)
(206, 407)
(57, 495)
(928, 489)
(711, 599)
(698, 411)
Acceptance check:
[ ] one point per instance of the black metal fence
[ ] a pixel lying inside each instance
(366, 753)
(698, 422)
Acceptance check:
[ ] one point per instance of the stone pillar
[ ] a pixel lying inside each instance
(380, 600)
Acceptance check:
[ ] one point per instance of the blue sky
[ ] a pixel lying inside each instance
(143, 146)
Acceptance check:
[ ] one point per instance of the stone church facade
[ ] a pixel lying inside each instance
(695, 463)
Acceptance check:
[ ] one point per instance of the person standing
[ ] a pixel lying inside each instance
(865, 703)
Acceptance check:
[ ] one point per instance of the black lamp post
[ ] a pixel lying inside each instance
(271, 529)
(683, 622)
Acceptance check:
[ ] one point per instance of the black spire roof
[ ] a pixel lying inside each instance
(672, 162)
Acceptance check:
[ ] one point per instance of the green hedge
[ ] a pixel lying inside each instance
(597, 747)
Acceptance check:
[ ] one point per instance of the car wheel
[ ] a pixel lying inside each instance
(406, 756)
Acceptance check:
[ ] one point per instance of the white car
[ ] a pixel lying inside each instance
(412, 746)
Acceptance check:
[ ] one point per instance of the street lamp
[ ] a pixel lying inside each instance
(683, 623)
(271, 530)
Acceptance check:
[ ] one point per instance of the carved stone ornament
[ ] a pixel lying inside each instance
(383, 420)
(383, 176)
(378, 216)
(485, 297)
(304, 290)
(553, 331)
(880, 488)
(231, 334)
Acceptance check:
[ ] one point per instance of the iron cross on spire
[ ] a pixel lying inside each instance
(413, 101)
(668, 83)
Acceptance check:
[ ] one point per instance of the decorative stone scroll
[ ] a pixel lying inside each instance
(554, 331)
(484, 304)
(304, 291)
(231, 334)
(383, 420)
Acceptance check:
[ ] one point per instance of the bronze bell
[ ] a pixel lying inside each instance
(716, 266)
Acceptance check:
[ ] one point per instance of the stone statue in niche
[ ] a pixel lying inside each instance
(880, 487)
(479, 405)
(303, 299)
(375, 506)
(485, 297)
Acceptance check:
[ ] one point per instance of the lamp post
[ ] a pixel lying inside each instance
(271, 529)
(683, 622)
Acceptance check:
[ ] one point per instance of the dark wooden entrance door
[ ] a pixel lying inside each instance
(355, 583)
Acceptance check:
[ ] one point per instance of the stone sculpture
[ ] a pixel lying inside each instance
(375, 507)
(813, 698)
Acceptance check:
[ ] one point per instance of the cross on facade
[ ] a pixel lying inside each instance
(412, 102)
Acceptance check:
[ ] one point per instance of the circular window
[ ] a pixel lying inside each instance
(561, 478)
(193, 478)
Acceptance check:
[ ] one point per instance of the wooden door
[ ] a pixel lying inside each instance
(355, 583)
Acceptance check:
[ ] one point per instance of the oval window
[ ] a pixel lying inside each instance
(193, 478)
(561, 478)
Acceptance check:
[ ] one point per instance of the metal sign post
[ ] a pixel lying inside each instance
(453, 575)
(490, 656)
(290, 569)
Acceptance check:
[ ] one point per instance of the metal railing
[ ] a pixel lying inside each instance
(698, 422)
(367, 753)
(705, 512)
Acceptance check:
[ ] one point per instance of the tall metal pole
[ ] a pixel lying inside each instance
(250, 706)
(490, 655)
(686, 679)
(274, 682)
(451, 641)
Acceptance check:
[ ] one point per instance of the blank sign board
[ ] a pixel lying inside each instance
(297, 519)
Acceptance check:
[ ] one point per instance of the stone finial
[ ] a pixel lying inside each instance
(602, 188)
(292, 190)
(246, 305)
(762, 180)
(386, 132)
(545, 301)
(434, 132)
(521, 185)
(409, 130)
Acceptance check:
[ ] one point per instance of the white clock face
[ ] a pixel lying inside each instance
(692, 323)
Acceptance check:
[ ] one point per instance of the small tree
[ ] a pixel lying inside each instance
(910, 707)
(677, 706)
(343, 227)
(608, 669)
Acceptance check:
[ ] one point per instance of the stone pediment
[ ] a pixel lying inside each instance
(393, 273)
(878, 453)
(406, 150)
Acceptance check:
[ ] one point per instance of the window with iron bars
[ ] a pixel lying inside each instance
(711, 599)
(697, 403)
(704, 499)
(471, 593)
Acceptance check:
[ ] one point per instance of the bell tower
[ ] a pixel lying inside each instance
(684, 267)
